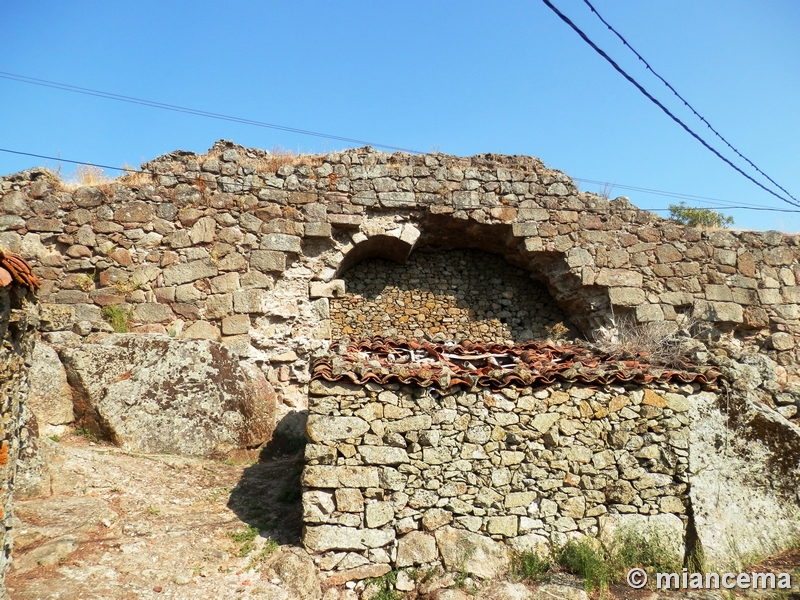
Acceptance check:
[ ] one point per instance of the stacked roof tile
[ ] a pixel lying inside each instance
(490, 365)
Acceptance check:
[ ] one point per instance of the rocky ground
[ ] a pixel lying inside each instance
(123, 526)
(119, 525)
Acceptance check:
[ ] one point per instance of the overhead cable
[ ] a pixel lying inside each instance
(762, 208)
(680, 196)
(685, 102)
(192, 111)
(639, 87)
(73, 162)
(257, 187)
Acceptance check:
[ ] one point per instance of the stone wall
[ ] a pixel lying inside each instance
(18, 324)
(447, 295)
(247, 247)
(397, 474)
(273, 256)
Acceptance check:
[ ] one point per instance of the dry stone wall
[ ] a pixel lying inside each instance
(397, 474)
(248, 248)
(18, 323)
(447, 295)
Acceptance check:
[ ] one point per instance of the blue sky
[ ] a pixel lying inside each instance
(462, 78)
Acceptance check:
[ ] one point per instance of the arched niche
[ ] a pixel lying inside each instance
(586, 307)
(444, 295)
(377, 246)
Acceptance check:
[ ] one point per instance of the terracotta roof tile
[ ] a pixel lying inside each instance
(489, 365)
(14, 268)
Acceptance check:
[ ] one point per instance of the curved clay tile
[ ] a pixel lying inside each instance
(16, 270)
(495, 365)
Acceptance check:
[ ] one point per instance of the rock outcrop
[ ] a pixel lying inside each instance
(154, 394)
(744, 474)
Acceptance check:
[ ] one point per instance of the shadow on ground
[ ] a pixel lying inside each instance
(269, 495)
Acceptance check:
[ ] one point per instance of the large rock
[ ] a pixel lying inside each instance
(331, 537)
(416, 548)
(473, 553)
(744, 469)
(297, 574)
(156, 394)
(668, 530)
(49, 396)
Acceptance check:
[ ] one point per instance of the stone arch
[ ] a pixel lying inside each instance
(377, 246)
(560, 271)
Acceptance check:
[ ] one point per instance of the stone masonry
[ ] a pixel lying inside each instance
(17, 334)
(274, 256)
(246, 247)
(446, 295)
(398, 474)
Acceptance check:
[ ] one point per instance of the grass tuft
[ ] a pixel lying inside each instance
(657, 342)
(245, 539)
(83, 432)
(269, 547)
(588, 561)
(644, 549)
(529, 566)
(384, 587)
(599, 565)
(118, 318)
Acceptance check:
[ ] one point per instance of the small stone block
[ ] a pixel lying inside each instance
(327, 289)
(322, 230)
(236, 324)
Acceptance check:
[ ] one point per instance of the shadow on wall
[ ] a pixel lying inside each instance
(446, 295)
(269, 496)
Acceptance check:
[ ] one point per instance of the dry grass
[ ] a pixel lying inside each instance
(133, 177)
(87, 175)
(657, 342)
(271, 161)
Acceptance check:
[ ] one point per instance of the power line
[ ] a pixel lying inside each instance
(685, 102)
(257, 187)
(638, 86)
(762, 208)
(74, 162)
(191, 111)
(678, 195)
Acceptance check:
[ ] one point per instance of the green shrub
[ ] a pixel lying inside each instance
(529, 566)
(118, 318)
(599, 565)
(588, 562)
(633, 548)
(698, 217)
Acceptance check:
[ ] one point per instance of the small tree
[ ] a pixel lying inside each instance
(698, 217)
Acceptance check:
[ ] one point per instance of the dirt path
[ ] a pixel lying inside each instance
(123, 526)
